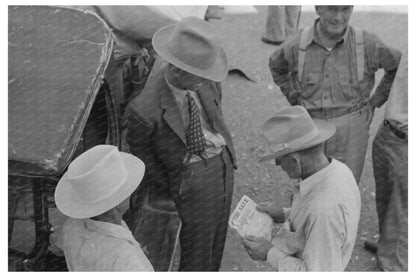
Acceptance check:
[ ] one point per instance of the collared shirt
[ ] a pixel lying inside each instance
(91, 245)
(214, 141)
(323, 223)
(397, 103)
(330, 78)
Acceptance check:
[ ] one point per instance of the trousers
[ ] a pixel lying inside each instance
(390, 164)
(349, 144)
(203, 201)
(281, 22)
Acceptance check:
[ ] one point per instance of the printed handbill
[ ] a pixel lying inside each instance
(248, 221)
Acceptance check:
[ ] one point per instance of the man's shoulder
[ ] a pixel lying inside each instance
(147, 101)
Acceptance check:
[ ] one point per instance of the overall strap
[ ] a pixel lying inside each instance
(359, 51)
(304, 38)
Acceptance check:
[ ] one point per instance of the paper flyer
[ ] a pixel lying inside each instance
(246, 220)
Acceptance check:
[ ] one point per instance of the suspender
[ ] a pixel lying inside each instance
(359, 51)
(302, 51)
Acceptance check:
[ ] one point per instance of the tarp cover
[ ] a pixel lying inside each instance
(141, 22)
(57, 58)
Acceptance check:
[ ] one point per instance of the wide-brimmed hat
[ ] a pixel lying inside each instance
(292, 129)
(97, 181)
(193, 45)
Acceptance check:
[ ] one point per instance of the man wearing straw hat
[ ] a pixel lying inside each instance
(321, 226)
(175, 125)
(95, 193)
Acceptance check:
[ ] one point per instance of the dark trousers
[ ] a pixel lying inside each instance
(203, 201)
(390, 162)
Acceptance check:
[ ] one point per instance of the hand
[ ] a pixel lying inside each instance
(274, 209)
(257, 247)
(370, 115)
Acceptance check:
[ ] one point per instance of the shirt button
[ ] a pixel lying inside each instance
(327, 75)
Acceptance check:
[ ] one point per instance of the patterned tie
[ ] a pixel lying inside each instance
(195, 140)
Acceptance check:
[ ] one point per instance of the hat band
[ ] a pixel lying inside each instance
(275, 148)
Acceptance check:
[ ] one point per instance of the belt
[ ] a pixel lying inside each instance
(397, 132)
(324, 113)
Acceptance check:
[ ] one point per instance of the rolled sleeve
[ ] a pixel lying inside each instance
(284, 262)
(387, 58)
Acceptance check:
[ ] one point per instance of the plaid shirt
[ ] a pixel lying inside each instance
(330, 78)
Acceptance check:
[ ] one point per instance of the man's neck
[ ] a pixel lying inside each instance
(313, 165)
(173, 81)
(109, 217)
(328, 40)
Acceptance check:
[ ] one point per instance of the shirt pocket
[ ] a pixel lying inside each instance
(310, 85)
(347, 87)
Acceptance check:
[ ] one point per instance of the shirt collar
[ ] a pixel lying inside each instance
(313, 181)
(313, 35)
(113, 230)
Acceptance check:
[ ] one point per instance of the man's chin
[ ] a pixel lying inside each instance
(336, 31)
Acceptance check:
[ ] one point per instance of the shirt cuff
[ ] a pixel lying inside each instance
(274, 256)
(286, 212)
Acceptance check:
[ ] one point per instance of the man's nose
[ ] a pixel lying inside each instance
(337, 16)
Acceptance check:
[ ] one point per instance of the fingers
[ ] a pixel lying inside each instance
(250, 238)
(263, 207)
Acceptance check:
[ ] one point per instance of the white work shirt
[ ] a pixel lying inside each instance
(397, 103)
(323, 223)
(91, 245)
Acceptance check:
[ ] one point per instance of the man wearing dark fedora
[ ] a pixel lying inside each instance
(321, 225)
(176, 126)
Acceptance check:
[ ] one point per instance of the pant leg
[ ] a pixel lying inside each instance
(220, 236)
(349, 144)
(292, 19)
(275, 24)
(202, 208)
(390, 162)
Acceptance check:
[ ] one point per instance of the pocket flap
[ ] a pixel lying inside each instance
(312, 78)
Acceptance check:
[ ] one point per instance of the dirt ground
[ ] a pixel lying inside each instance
(247, 104)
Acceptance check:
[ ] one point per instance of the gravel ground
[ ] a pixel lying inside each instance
(247, 104)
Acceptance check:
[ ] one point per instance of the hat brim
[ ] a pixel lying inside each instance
(217, 72)
(69, 205)
(325, 129)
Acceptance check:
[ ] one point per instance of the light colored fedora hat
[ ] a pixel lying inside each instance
(193, 45)
(292, 129)
(97, 181)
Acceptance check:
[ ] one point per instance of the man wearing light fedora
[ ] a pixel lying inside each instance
(94, 193)
(321, 225)
(176, 126)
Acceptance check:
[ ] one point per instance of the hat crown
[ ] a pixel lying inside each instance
(195, 42)
(96, 174)
(289, 124)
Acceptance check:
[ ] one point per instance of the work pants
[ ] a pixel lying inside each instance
(281, 22)
(390, 162)
(349, 144)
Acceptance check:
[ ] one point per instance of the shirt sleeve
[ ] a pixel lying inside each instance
(131, 263)
(279, 68)
(322, 252)
(387, 58)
